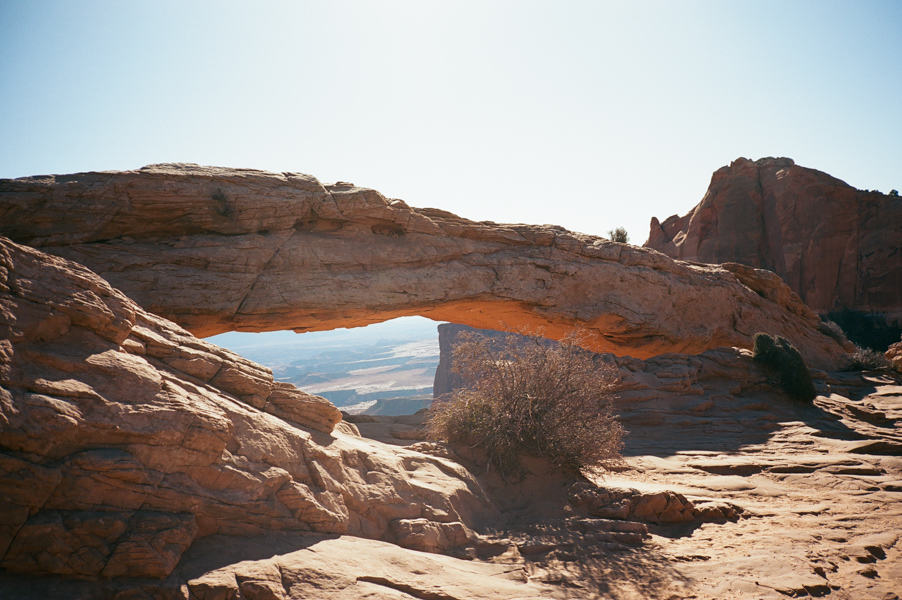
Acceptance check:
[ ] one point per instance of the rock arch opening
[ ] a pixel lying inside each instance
(383, 369)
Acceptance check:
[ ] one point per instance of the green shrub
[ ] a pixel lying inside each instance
(867, 359)
(781, 357)
(530, 397)
(619, 235)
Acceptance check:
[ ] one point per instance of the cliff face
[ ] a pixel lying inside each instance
(224, 249)
(446, 379)
(837, 247)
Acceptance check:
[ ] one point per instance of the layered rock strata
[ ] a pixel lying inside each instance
(222, 249)
(123, 439)
(836, 246)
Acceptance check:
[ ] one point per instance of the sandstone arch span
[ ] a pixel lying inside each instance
(219, 249)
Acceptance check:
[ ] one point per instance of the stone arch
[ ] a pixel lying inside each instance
(291, 253)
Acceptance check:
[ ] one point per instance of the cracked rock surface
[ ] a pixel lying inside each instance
(139, 461)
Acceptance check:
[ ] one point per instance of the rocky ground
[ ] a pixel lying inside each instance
(821, 495)
(818, 487)
(815, 490)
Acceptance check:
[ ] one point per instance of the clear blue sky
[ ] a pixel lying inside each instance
(584, 114)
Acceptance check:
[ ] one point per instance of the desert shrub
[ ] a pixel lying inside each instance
(866, 359)
(781, 357)
(619, 235)
(530, 396)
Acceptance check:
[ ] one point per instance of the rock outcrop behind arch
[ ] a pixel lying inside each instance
(836, 246)
(223, 249)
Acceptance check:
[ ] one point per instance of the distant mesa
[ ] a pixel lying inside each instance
(219, 250)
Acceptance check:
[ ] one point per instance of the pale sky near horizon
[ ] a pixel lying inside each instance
(588, 115)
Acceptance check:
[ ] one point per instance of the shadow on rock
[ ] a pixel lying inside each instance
(594, 558)
(719, 401)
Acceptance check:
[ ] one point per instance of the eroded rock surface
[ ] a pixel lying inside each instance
(123, 439)
(836, 246)
(819, 486)
(223, 249)
(295, 567)
(745, 493)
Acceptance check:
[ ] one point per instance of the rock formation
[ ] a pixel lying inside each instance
(894, 355)
(805, 495)
(126, 443)
(123, 439)
(139, 461)
(836, 246)
(221, 249)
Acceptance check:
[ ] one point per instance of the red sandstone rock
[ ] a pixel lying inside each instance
(820, 485)
(222, 249)
(837, 247)
(894, 355)
(423, 534)
(630, 504)
(123, 439)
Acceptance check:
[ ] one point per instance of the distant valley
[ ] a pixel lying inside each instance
(384, 369)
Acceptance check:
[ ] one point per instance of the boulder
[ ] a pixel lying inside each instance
(661, 507)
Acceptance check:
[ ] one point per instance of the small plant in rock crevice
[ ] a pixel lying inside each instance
(619, 235)
(529, 396)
